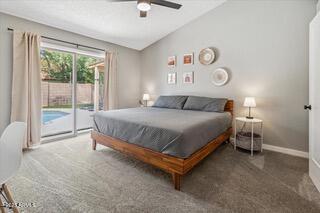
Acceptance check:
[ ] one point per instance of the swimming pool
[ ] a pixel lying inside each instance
(52, 115)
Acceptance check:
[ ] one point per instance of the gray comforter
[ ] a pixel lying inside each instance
(174, 132)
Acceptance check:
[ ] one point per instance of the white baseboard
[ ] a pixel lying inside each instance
(314, 172)
(286, 151)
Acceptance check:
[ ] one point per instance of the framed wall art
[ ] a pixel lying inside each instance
(172, 78)
(172, 61)
(188, 59)
(188, 78)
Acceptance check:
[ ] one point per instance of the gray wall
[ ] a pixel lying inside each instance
(128, 66)
(318, 6)
(263, 44)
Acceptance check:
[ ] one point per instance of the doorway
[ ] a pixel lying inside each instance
(314, 99)
(71, 90)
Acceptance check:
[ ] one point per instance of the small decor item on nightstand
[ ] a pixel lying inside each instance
(244, 140)
(146, 98)
(141, 103)
(249, 102)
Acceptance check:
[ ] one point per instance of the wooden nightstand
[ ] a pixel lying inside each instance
(249, 140)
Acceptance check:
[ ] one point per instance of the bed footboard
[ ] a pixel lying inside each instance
(173, 165)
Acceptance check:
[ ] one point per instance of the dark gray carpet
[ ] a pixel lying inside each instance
(67, 176)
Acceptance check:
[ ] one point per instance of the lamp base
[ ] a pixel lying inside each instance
(249, 117)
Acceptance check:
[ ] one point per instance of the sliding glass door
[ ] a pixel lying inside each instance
(57, 92)
(85, 91)
(70, 91)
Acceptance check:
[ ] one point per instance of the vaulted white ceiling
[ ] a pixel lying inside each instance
(116, 22)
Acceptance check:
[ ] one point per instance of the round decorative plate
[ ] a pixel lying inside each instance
(206, 56)
(220, 77)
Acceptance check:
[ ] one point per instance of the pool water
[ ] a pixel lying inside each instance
(52, 115)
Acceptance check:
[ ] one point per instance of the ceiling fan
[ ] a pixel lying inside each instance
(145, 5)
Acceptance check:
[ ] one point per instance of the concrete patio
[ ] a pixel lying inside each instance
(65, 123)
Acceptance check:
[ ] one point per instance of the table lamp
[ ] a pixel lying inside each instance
(249, 102)
(146, 98)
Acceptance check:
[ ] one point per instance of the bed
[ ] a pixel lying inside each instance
(172, 139)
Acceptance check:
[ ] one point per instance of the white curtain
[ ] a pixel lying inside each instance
(110, 82)
(26, 85)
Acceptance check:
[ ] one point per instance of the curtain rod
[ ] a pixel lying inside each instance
(67, 42)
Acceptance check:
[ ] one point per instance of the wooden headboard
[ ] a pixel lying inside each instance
(229, 107)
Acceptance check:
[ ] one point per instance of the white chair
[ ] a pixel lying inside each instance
(10, 158)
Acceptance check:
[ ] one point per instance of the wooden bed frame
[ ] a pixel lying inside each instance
(174, 165)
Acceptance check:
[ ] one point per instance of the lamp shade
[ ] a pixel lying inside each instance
(249, 102)
(146, 97)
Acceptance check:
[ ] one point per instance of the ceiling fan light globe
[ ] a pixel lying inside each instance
(143, 6)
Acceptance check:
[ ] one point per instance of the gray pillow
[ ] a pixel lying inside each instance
(205, 104)
(171, 102)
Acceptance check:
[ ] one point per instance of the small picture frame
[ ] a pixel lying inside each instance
(188, 59)
(172, 78)
(188, 78)
(172, 61)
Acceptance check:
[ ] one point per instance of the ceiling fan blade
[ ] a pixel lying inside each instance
(121, 0)
(167, 4)
(143, 14)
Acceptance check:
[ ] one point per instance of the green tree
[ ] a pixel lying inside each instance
(57, 66)
(84, 74)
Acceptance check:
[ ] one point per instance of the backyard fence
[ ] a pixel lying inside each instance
(60, 94)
